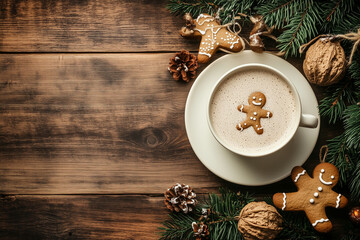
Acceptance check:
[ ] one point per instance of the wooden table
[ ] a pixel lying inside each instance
(91, 123)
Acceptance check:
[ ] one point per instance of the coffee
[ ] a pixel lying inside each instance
(235, 90)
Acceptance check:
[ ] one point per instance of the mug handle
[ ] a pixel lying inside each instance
(309, 121)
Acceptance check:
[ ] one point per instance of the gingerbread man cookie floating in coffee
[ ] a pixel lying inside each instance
(254, 112)
(313, 195)
(213, 36)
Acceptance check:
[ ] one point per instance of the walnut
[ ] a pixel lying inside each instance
(259, 221)
(325, 62)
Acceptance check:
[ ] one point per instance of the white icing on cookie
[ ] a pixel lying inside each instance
(255, 113)
(202, 32)
(320, 189)
(242, 107)
(233, 43)
(260, 99)
(312, 201)
(316, 194)
(332, 177)
(254, 118)
(241, 128)
(268, 114)
(254, 97)
(204, 53)
(251, 118)
(255, 103)
(284, 202)
(320, 221)
(300, 174)
(322, 180)
(207, 19)
(338, 201)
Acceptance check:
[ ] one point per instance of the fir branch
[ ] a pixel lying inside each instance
(228, 9)
(194, 7)
(338, 97)
(348, 23)
(301, 29)
(342, 157)
(337, 11)
(342, 94)
(222, 222)
(279, 13)
(352, 127)
(296, 226)
(354, 183)
(177, 227)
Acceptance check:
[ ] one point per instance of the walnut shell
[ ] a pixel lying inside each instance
(325, 62)
(259, 221)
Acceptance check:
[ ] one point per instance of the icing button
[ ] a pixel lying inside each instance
(320, 189)
(312, 201)
(322, 170)
(316, 194)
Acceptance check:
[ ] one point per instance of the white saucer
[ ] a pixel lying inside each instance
(228, 165)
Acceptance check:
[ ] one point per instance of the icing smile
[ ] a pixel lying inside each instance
(322, 180)
(255, 103)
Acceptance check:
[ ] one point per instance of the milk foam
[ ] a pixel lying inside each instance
(235, 90)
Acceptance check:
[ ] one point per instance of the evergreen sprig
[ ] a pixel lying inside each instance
(338, 96)
(337, 12)
(178, 227)
(352, 127)
(226, 9)
(299, 20)
(224, 209)
(301, 29)
(222, 221)
(297, 227)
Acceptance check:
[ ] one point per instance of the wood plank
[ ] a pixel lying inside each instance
(94, 217)
(99, 123)
(89, 26)
(81, 217)
(93, 26)
(93, 123)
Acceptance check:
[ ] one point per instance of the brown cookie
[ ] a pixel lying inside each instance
(313, 195)
(254, 112)
(213, 36)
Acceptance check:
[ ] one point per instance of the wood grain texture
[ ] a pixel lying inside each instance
(93, 124)
(89, 26)
(77, 124)
(81, 217)
(129, 217)
(94, 26)
(98, 123)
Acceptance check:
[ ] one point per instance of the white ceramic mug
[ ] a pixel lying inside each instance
(302, 120)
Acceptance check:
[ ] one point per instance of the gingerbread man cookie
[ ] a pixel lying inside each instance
(313, 195)
(254, 112)
(213, 36)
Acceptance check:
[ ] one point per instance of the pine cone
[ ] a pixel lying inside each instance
(183, 66)
(201, 231)
(180, 197)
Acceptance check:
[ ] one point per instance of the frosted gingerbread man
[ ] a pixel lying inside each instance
(313, 195)
(213, 36)
(254, 112)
